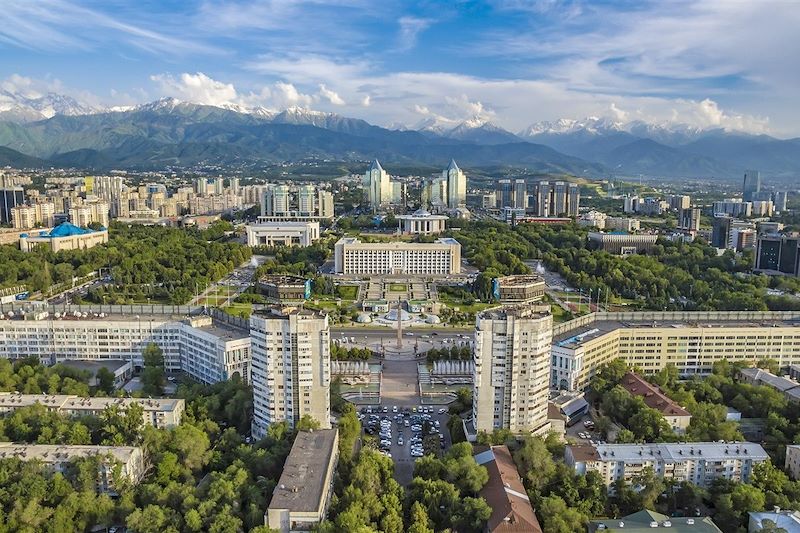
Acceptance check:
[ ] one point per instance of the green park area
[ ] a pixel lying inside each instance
(398, 287)
(347, 292)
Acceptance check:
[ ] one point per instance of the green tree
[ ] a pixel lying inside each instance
(105, 380)
(153, 375)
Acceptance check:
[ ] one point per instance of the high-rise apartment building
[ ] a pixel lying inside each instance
(95, 212)
(520, 194)
(733, 207)
(276, 201)
(512, 368)
(556, 199)
(378, 186)
(504, 193)
(456, 185)
(40, 214)
(780, 201)
(325, 204)
(202, 186)
(280, 203)
(751, 185)
(291, 367)
(679, 201)
(110, 188)
(778, 253)
(689, 219)
(306, 200)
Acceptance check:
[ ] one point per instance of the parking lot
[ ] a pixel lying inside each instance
(407, 433)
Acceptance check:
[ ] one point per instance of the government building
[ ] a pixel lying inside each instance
(440, 258)
(284, 233)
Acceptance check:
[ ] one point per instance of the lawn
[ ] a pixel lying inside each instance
(347, 292)
(398, 287)
(473, 307)
(242, 310)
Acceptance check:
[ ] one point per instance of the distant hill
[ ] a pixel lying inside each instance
(12, 158)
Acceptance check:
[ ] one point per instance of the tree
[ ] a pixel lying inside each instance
(419, 523)
(307, 423)
(105, 380)
(558, 518)
(535, 463)
(609, 375)
(153, 375)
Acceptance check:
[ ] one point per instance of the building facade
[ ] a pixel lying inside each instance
(778, 254)
(421, 223)
(291, 367)
(621, 243)
(456, 185)
(65, 236)
(698, 463)
(286, 233)
(95, 212)
(40, 214)
(439, 258)
(512, 365)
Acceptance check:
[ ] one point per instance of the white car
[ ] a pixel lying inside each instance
(442, 411)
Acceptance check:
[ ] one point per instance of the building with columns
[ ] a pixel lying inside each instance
(421, 223)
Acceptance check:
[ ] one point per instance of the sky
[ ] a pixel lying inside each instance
(713, 63)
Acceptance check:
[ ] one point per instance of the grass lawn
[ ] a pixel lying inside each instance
(347, 292)
(242, 310)
(473, 307)
(398, 287)
(559, 315)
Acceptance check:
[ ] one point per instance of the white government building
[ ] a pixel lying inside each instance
(440, 258)
(291, 367)
(282, 233)
(421, 222)
(208, 350)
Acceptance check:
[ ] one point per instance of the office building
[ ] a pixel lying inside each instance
(524, 288)
(645, 521)
(34, 215)
(691, 341)
(742, 238)
(512, 511)
(621, 243)
(733, 207)
(158, 412)
(65, 236)
(512, 365)
(284, 289)
(689, 219)
(291, 367)
(421, 223)
(678, 202)
(125, 461)
(456, 185)
(676, 416)
(630, 204)
(10, 197)
(512, 193)
(442, 257)
(489, 200)
(751, 185)
(778, 254)
(378, 186)
(285, 233)
(95, 212)
(301, 497)
(207, 350)
(698, 463)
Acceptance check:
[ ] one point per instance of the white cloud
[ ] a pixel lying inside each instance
(330, 95)
(410, 28)
(197, 88)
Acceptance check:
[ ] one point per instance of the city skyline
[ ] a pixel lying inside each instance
(511, 63)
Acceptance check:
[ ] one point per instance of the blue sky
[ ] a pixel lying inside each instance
(515, 62)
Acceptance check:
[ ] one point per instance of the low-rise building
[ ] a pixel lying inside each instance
(524, 288)
(782, 520)
(676, 416)
(158, 412)
(300, 500)
(421, 223)
(698, 463)
(59, 458)
(284, 289)
(512, 511)
(645, 521)
(792, 464)
(285, 233)
(440, 258)
(65, 236)
(786, 386)
(622, 243)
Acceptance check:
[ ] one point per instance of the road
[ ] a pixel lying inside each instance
(239, 281)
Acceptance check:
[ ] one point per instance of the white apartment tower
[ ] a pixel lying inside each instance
(306, 196)
(512, 369)
(378, 185)
(456, 185)
(276, 201)
(291, 367)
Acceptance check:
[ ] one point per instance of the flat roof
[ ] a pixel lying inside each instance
(573, 338)
(96, 364)
(645, 521)
(532, 311)
(675, 452)
(302, 483)
(768, 378)
(59, 453)
(64, 401)
(520, 280)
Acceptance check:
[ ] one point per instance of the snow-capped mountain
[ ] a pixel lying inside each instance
(566, 125)
(666, 133)
(21, 108)
(476, 129)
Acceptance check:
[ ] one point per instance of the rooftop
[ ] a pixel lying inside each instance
(532, 311)
(63, 401)
(652, 395)
(280, 279)
(57, 453)
(94, 365)
(768, 378)
(646, 521)
(675, 452)
(520, 280)
(302, 482)
(511, 508)
(788, 520)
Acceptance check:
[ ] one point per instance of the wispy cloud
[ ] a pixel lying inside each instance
(410, 28)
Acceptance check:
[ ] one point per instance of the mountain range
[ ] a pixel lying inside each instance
(57, 130)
